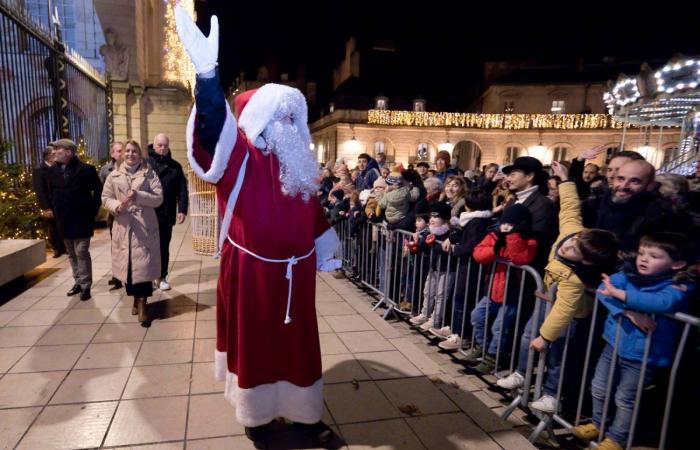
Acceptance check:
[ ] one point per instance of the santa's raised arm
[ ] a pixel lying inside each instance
(273, 238)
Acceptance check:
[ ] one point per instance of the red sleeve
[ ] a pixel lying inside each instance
(484, 252)
(519, 250)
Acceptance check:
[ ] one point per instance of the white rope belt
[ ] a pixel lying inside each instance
(291, 262)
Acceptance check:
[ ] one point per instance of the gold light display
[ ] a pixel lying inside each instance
(177, 67)
(492, 121)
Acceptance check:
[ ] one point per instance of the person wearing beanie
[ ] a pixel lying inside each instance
(396, 202)
(474, 225)
(508, 240)
(372, 210)
(440, 278)
(442, 166)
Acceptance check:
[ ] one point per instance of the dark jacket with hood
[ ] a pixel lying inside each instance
(366, 178)
(172, 178)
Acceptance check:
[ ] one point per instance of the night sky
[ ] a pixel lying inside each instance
(298, 34)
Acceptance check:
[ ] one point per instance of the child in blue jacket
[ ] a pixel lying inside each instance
(647, 286)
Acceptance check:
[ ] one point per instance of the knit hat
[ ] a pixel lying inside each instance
(379, 182)
(339, 194)
(445, 156)
(441, 210)
(395, 175)
(517, 215)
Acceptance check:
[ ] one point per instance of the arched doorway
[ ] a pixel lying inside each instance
(467, 154)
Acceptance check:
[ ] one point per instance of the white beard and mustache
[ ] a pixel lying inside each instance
(299, 170)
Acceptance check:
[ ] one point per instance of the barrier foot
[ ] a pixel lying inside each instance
(545, 424)
(390, 311)
(379, 303)
(509, 410)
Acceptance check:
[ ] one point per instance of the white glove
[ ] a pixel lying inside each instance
(330, 265)
(203, 51)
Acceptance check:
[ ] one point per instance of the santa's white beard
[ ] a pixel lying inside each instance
(298, 168)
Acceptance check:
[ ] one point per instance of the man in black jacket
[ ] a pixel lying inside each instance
(40, 182)
(76, 197)
(527, 181)
(175, 199)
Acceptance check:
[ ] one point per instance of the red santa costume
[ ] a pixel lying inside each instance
(271, 244)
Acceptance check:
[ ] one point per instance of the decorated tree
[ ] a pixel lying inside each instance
(20, 214)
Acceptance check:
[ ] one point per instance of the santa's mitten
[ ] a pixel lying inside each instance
(203, 50)
(329, 265)
(430, 240)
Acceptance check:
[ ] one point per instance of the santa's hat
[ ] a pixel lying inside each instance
(258, 107)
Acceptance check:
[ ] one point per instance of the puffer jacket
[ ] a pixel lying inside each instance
(571, 301)
(661, 297)
(518, 250)
(396, 203)
(135, 233)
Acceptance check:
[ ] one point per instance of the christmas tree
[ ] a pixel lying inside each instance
(20, 214)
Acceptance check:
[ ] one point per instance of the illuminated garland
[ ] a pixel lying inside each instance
(177, 67)
(492, 121)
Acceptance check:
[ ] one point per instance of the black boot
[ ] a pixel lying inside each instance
(319, 431)
(142, 309)
(85, 295)
(116, 284)
(76, 289)
(257, 434)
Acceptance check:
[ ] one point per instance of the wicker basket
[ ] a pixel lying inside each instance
(204, 214)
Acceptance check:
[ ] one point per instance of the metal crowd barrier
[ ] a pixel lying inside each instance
(664, 377)
(379, 260)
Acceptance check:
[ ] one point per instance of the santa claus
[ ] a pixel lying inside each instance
(274, 236)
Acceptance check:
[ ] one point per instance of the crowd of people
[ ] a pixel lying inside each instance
(622, 234)
(145, 195)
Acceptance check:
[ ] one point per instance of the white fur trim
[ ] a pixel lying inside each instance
(262, 404)
(222, 152)
(268, 100)
(326, 246)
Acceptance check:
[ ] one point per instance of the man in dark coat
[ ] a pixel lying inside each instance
(526, 180)
(76, 197)
(40, 182)
(175, 199)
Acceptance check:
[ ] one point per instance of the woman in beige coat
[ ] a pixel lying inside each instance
(131, 193)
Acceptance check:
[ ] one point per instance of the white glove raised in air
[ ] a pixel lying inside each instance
(203, 51)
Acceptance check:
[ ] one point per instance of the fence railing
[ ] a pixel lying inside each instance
(434, 289)
(47, 91)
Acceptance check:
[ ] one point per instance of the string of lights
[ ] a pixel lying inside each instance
(492, 121)
(177, 67)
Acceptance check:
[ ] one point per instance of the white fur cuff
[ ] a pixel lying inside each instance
(222, 152)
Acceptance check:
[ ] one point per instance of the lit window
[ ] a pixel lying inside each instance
(381, 103)
(558, 107)
(419, 105)
(559, 154)
(512, 153)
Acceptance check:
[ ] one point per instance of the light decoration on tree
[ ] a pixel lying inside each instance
(491, 121)
(177, 67)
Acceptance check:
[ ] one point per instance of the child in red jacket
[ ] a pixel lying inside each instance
(506, 241)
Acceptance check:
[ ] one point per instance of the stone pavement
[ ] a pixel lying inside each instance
(87, 375)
